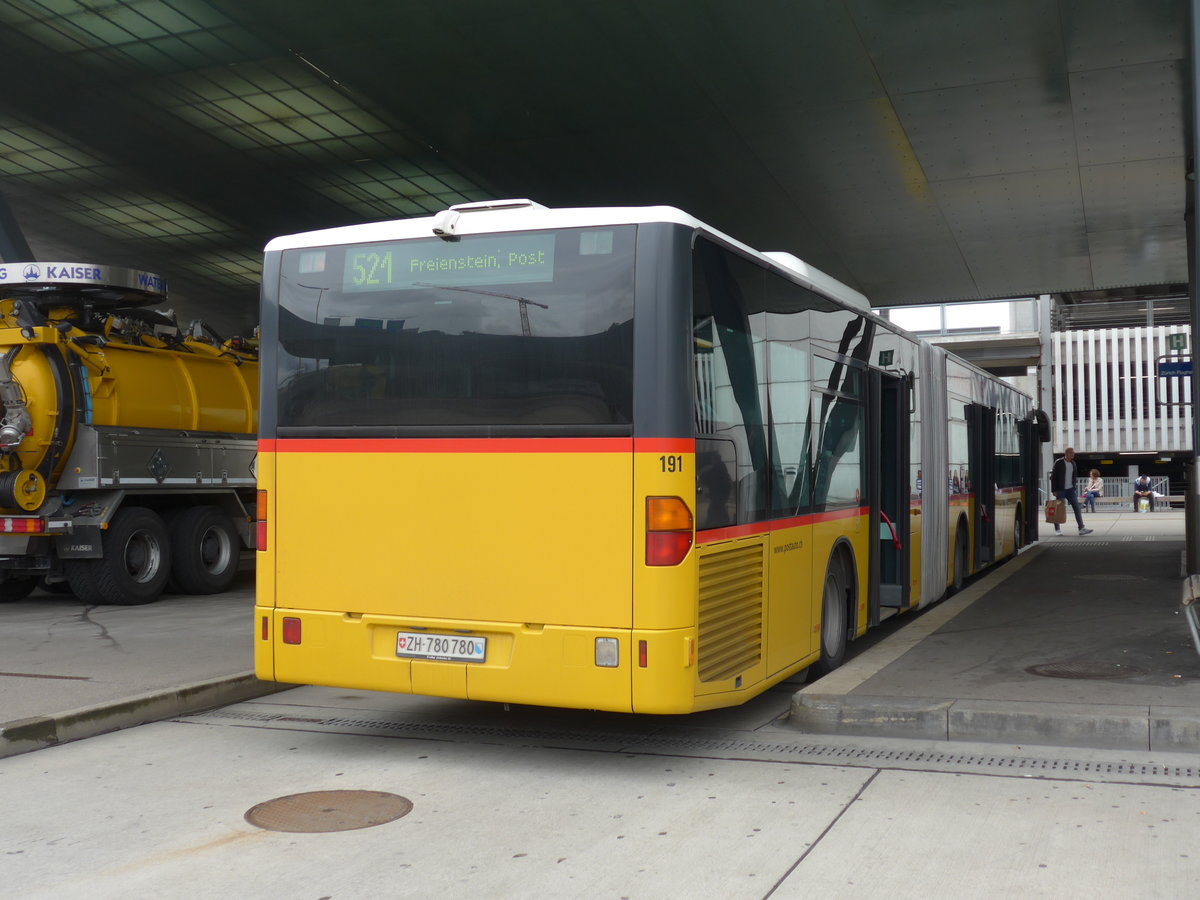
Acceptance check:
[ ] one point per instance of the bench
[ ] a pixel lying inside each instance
(1126, 503)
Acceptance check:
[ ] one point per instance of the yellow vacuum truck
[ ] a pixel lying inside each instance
(127, 443)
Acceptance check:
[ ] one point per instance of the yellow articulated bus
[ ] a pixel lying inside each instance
(604, 458)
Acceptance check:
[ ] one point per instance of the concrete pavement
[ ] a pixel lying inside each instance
(1080, 641)
(530, 802)
(68, 670)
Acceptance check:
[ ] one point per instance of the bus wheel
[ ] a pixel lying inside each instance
(16, 587)
(204, 550)
(137, 558)
(1018, 533)
(834, 618)
(960, 559)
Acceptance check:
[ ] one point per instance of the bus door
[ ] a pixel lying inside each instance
(1030, 436)
(888, 493)
(981, 462)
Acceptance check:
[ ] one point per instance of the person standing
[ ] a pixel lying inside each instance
(1094, 489)
(1062, 483)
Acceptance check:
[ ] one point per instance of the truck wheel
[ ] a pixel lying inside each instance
(16, 587)
(79, 577)
(204, 550)
(137, 558)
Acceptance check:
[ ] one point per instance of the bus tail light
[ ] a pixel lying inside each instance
(668, 531)
(291, 630)
(260, 521)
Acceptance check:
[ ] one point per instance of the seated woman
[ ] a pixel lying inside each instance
(1094, 489)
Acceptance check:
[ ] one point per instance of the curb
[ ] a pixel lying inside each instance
(24, 735)
(1094, 726)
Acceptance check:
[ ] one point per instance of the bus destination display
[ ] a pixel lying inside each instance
(519, 259)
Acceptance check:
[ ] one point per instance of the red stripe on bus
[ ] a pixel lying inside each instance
(664, 445)
(737, 531)
(454, 445)
(476, 445)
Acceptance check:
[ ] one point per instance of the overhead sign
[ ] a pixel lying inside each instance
(59, 274)
(1174, 368)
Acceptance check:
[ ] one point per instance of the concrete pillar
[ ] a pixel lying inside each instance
(1192, 203)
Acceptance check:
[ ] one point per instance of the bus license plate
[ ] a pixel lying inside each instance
(451, 647)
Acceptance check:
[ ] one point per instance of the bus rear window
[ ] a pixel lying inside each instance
(534, 328)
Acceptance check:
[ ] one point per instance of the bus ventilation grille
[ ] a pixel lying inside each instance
(731, 592)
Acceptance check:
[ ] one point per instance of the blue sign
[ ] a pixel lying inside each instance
(1175, 368)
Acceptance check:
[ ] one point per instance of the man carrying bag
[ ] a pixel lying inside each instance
(1062, 483)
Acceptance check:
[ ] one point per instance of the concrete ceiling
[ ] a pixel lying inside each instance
(919, 150)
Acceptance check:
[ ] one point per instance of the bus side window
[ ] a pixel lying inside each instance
(716, 464)
(730, 395)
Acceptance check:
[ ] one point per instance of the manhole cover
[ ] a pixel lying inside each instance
(1085, 670)
(319, 811)
(1116, 576)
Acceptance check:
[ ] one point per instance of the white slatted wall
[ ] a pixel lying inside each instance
(1104, 398)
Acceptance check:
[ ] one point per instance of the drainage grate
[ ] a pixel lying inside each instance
(1085, 670)
(321, 811)
(780, 750)
(1112, 576)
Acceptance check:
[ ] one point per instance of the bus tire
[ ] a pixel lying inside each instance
(835, 616)
(137, 558)
(204, 550)
(16, 587)
(1018, 533)
(960, 558)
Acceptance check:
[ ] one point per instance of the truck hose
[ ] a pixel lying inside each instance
(65, 405)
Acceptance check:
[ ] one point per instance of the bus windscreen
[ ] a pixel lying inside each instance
(521, 329)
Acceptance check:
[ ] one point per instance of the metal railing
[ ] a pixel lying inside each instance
(1118, 493)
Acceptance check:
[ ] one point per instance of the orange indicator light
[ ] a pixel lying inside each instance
(260, 525)
(667, 514)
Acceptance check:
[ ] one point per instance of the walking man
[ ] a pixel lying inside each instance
(1062, 483)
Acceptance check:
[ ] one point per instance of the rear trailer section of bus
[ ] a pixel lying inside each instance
(453, 499)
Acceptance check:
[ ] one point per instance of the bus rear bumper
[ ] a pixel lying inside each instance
(540, 665)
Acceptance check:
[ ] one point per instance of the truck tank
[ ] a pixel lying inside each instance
(89, 372)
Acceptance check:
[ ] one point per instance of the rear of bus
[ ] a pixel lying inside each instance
(464, 489)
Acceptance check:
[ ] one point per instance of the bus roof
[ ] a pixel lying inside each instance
(493, 216)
